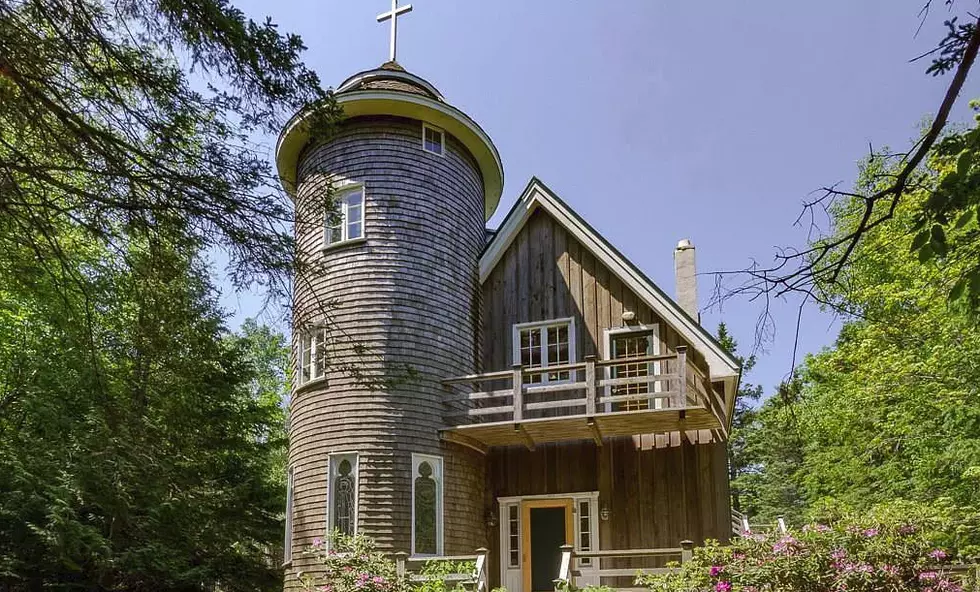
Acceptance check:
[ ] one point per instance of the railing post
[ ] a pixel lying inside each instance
(590, 385)
(681, 376)
(518, 393)
(566, 574)
(687, 551)
(400, 559)
(480, 574)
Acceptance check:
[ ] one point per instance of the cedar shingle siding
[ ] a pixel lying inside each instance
(410, 293)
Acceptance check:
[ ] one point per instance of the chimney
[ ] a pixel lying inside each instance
(686, 280)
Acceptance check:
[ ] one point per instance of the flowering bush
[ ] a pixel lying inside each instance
(849, 556)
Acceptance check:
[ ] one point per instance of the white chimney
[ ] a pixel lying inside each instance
(686, 278)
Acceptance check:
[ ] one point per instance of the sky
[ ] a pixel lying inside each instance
(659, 120)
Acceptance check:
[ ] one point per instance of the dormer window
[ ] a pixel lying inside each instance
(433, 139)
(347, 222)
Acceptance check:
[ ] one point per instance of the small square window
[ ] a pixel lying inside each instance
(347, 222)
(433, 139)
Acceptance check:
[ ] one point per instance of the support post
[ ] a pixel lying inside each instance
(681, 376)
(687, 551)
(400, 558)
(480, 573)
(590, 385)
(518, 393)
(566, 575)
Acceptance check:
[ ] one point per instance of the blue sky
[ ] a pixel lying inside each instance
(660, 120)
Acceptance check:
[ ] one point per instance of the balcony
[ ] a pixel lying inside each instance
(591, 400)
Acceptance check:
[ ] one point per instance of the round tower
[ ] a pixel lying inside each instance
(386, 306)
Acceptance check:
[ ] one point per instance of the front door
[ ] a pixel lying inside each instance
(548, 526)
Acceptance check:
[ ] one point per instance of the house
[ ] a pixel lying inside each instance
(457, 388)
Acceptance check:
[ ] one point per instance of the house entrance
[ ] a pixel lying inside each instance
(549, 525)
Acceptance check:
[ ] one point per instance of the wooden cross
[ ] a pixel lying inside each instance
(393, 15)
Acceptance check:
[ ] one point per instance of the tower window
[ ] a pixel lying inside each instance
(346, 222)
(426, 505)
(342, 507)
(312, 355)
(433, 139)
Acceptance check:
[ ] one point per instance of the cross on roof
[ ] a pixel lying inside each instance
(393, 15)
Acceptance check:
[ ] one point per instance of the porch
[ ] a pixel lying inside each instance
(591, 400)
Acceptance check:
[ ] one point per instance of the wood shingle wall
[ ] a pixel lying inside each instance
(410, 294)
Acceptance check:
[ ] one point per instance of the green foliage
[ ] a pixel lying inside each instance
(875, 551)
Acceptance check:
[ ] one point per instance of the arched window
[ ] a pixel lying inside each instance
(426, 505)
(342, 509)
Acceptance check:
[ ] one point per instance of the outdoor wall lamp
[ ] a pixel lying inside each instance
(604, 513)
(491, 519)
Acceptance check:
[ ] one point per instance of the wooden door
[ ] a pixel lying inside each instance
(546, 525)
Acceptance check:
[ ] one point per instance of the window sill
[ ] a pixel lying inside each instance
(286, 564)
(344, 244)
(322, 381)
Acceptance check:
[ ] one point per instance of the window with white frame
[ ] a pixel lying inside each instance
(287, 553)
(312, 355)
(585, 529)
(342, 494)
(426, 505)
(347, 221)
(540, 345)
(513, 535)
(624, 344)
(433, 139)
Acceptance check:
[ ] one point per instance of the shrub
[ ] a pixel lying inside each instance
(852, 555)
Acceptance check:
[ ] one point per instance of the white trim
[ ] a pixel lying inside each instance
(287, 551)
(515, 500)
(536, 195)
(516, 342)
(442, 139)
(607, 355)
(340, 199)
(333, 462)
(438, 474)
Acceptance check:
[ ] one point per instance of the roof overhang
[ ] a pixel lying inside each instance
(722, 366)
(400, 104)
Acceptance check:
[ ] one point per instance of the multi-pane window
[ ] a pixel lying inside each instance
(426, 505)
(585, 529)
(347, 221)
(312, 355)
(288, 546)
(342, 508)
(633, 344)
(433, 139)
(541, 345)
(513, 536)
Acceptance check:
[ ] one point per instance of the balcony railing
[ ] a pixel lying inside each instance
(587, 400)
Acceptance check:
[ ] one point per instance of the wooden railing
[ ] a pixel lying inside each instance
(586, 388)
(477, 580)
(567, 572)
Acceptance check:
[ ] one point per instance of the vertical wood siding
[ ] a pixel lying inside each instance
(410, 295)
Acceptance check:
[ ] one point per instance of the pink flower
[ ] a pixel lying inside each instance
(715, 570)
(928, 576)
(738, 556)
(723, 586)
(378, 580)
(937, 554)
(317, 542)
(870, 532)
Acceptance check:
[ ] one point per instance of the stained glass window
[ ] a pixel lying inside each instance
(343, 493)
(427, 505)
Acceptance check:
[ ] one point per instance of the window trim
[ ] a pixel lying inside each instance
(333, 460)
(436, 461)
(442, 139)
(287, 551)
(543, 325)
(310, 336)
(654, 328)
(341, 193)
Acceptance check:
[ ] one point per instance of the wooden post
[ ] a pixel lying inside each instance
(400, 559)
(687, 551)
(566, 573)
(480, 573)
(682, 376)
(518, 393)
(590, 385)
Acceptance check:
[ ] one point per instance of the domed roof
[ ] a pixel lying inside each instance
(390, 90)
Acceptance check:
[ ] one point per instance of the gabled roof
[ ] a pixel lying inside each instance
(537, 195)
